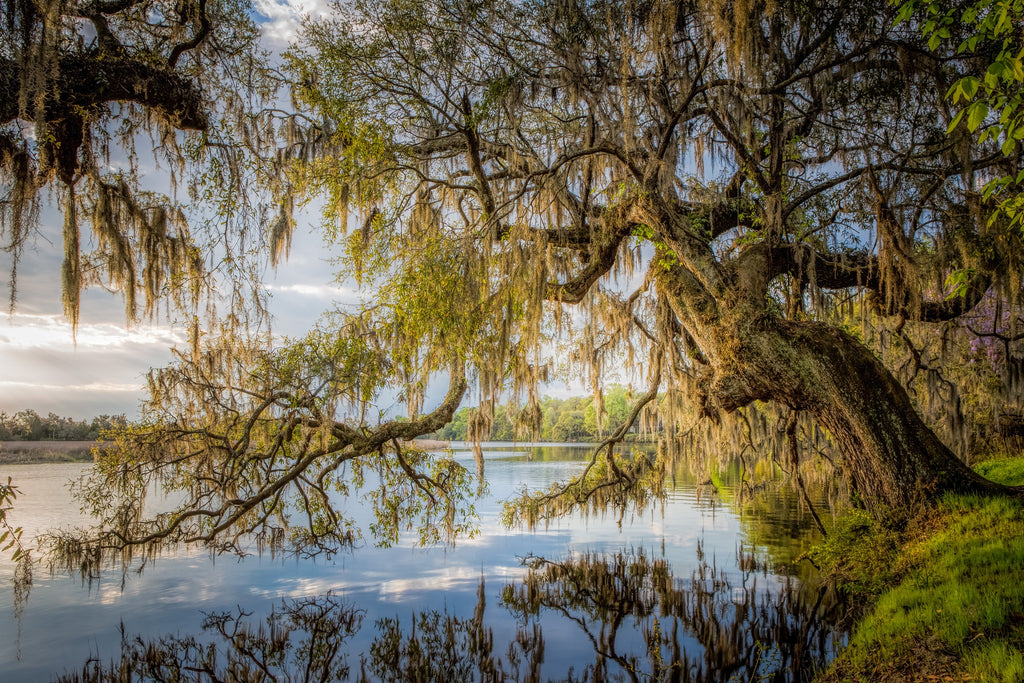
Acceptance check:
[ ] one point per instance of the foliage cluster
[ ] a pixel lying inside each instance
(570, 419)
(990, 100)
(11, 541)
(28, 425)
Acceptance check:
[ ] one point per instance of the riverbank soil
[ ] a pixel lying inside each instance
(946, 592)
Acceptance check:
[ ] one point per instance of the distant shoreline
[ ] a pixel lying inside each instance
(42, 452)
(428, 444)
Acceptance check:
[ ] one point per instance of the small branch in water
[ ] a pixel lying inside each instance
(794, 459)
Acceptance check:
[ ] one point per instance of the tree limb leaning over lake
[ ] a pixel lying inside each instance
(611, 480)
(273, 443)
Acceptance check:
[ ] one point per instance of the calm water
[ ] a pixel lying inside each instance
(701, 574)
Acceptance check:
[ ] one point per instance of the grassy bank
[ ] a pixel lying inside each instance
(34, 452)
(946, 592)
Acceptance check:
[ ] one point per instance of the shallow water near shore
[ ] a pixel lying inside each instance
(702, 585)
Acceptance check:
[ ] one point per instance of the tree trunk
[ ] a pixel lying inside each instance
(893, 458)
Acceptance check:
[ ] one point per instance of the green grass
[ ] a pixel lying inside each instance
(1004, 470)
(955, 604)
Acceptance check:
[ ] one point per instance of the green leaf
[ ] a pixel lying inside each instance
(976, 114)
(905, 12)
(969, 86)
(1017, 68)
(958, 281)
(955, 121)
(992, 77)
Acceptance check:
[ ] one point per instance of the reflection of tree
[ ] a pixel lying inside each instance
(776, 517)
(712, 627)
(740, 631)
(440, 647)
(302, 640)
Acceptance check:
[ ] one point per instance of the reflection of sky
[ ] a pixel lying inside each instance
(66, 621)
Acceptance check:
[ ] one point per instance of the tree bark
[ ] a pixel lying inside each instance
(895, 461)
(85, 81)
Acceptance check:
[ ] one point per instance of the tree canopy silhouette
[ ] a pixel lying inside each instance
(712, 193)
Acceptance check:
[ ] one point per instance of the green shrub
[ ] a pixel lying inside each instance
(858, 556)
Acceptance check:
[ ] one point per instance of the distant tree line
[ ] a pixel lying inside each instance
(570, 419)
(28, 425)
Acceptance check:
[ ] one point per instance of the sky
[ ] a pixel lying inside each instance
(102, 370)
(44, 367)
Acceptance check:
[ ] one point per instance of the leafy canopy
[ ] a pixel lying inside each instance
(645, 185)
(85, 85)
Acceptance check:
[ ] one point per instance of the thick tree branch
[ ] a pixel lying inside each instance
(602, 256)
(849, 269)
(201, 33)
(86, 81)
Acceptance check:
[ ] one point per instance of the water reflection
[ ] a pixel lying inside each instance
(426, 614)
(301, 640)
(641, 622)
(710, 627)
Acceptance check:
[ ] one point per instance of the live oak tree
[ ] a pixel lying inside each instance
(82, 85)
(735, 199)
(560, 151)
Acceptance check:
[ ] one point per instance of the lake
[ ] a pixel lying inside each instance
(703, 585)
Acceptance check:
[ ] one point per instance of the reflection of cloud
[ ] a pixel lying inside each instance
(444, 580)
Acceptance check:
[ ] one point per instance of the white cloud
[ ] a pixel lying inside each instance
(44, 369)
(280, 19)
(325, 292)
(33, 330)
(104, 387)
